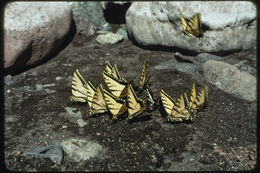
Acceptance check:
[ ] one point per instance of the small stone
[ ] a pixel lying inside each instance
(58, 78)
(81, 123)
(64, 127)
(38, 87)
(8, 91)
(109, 38)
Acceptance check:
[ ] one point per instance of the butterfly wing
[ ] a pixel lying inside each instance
(195, 25)
(201, 98)
(167, 101)
(115, 105)
(179, 111)
(134, 103)
(143, 79)
(108, 68)
(91, 90)
(98, 105)
(117, 88)
(193, 96)
(150, 100)
(183, 23)
(79, 92)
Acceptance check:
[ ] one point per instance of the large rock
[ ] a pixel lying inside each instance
(81, 18)
(33, 32)
(91, 11)
(228, 78)
(228, 26)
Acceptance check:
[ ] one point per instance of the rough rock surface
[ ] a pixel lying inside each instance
(81, 149)
(228, 78)
(227, 26)
(34, 32)
(222, 137)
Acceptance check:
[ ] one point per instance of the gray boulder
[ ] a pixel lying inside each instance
(228, 26)
(34, 32)
(231, 80)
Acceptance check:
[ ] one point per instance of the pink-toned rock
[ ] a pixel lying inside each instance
(34, 32)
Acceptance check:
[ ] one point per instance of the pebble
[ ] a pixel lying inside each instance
(58, 78)
(81, 123)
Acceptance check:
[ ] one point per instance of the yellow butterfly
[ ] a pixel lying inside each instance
(197, 101)
(193, 27)
(116, 105)
(143, 79)
(96, 101)
(135, 105)
(113, 71)
(79, 91)
(176, 111)
(116, 87)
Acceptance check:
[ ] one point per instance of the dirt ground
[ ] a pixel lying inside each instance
(222, 137)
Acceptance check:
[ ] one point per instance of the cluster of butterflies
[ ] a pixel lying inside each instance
(193, 27)
(121, 97)
(118, 99)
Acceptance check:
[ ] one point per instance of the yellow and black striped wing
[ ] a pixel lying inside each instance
(201, 98)
(115, 105)
(91, 90)
(116, 87)
(193, 27)
(108, 68)
(167, 101)
(134, 103)
(79, 92)
(98, 105)
(179, 111)
(143, 79)
(193, 96)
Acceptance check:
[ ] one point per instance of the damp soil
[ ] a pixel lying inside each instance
(222, 136)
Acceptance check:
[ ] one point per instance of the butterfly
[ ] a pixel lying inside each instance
(193, 27)
(197, 101)
(135, 105)
(113, 71)
(96, 101)
(116, 87)
(116, 105)
(176, 110)
(150, 101)
(79, 91)
(143, 79)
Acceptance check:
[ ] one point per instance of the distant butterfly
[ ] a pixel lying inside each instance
(135, 105)
(116, 87)
(143, 79)
(96, 101)
(116, 105)
(79, 92)
(193, 27)
(176, 111)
